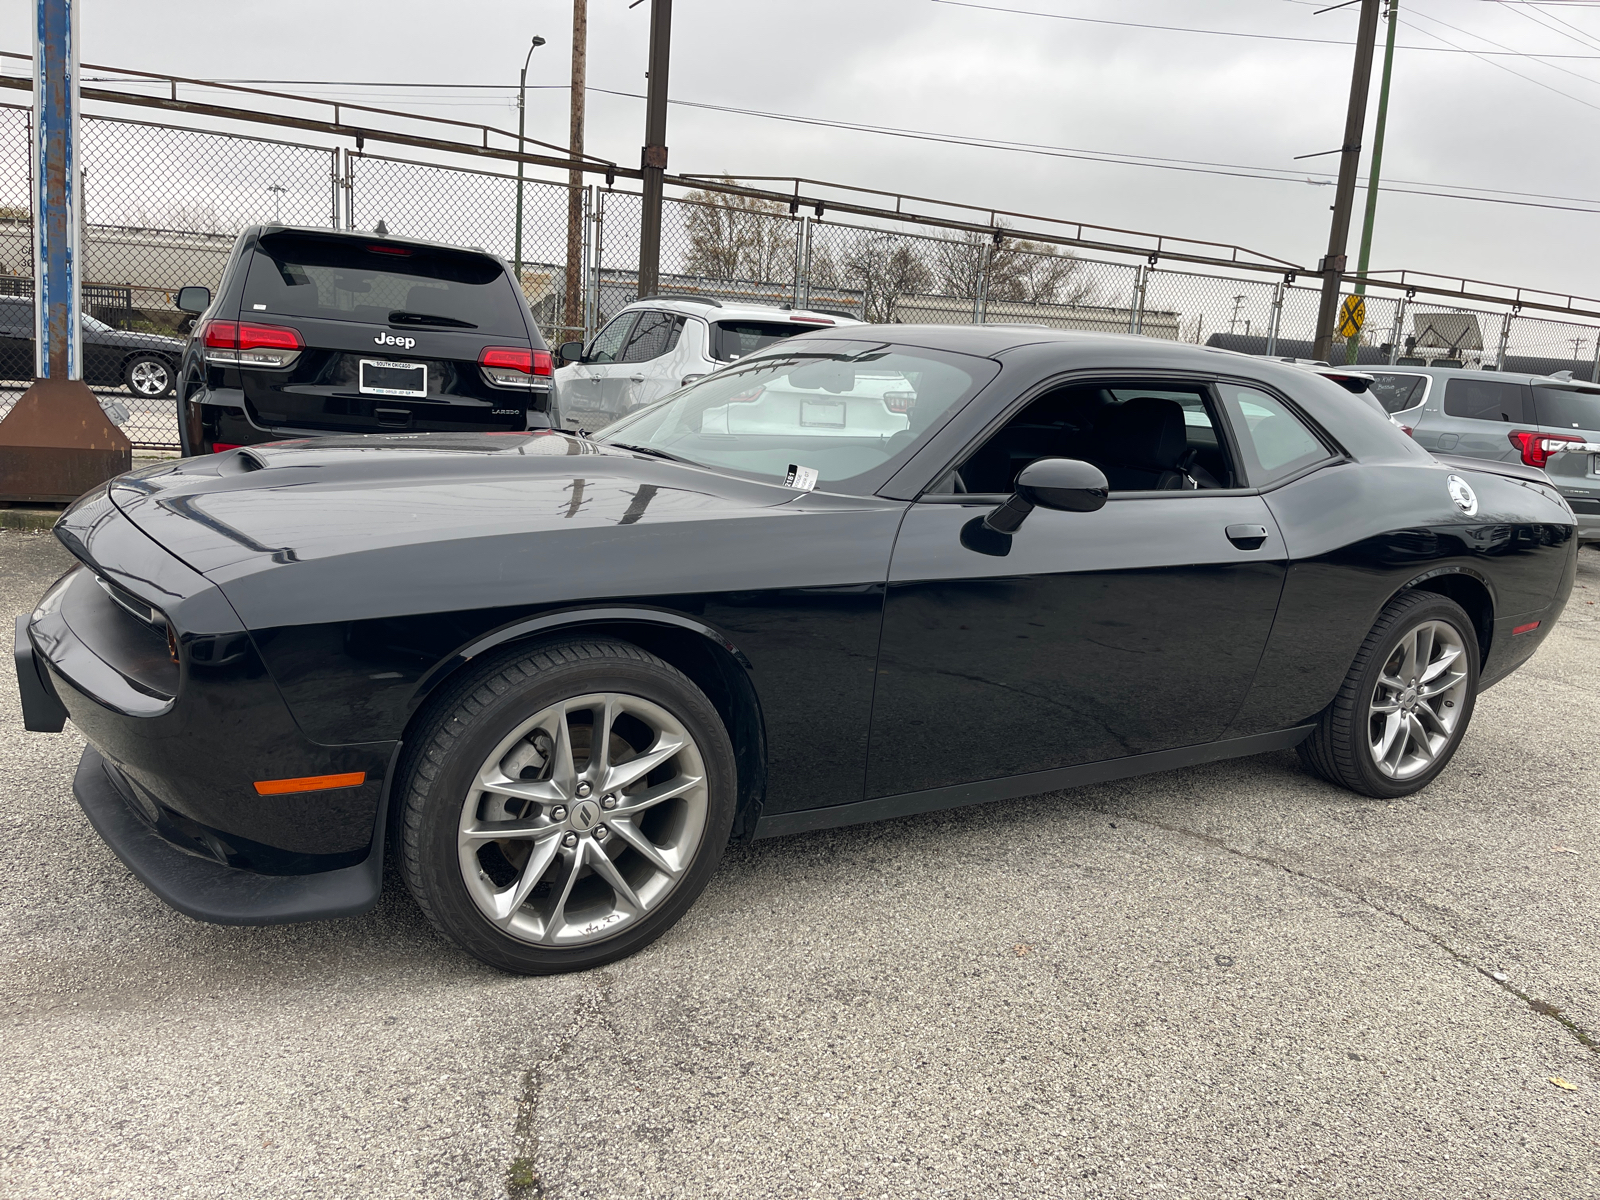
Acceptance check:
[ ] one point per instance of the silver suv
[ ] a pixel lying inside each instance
(1507, 417)
(655, 346)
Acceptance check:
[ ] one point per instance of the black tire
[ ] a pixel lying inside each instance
(1340, 749)
(149, 376)
(475, 717)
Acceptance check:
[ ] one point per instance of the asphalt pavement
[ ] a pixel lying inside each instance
(1228, 981)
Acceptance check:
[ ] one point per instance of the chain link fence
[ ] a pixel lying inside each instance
(163, 205)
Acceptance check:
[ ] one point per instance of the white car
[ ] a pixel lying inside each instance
(653, 347)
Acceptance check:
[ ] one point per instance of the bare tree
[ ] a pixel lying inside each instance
(1015, 270)
(879, 265)
(738, 237)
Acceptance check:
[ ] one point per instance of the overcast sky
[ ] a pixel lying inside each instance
(1455, 119)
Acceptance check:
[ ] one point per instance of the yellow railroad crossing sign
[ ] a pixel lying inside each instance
(1352, 316)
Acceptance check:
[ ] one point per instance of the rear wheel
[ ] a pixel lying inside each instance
(1405, 704)
(148, 375)
(564, 808)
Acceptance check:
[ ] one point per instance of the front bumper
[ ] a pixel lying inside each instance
(207, 890)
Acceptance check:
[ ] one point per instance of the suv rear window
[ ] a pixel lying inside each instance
(1486, 400)
(303, 275)
(740, 339)
(1399, 392)
(1567, 408)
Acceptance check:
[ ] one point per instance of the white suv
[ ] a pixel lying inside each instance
(655, 346)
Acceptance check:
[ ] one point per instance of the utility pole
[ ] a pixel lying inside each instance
(572, 305)
(1373, 172)
(654, 157)
(1333, 263)
(277, 190)
(522, 106)
(56, 442)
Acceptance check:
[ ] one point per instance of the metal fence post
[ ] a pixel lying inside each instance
(586, 255)
(1399, 327)
(1594, 375)
(597, 249)
(803, 298)
(980, 301)
(1505, 341)
(333, 181)
(1136, 304)
(1276, 319)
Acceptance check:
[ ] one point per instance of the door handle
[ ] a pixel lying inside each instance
(637, 379)
(1247, 537)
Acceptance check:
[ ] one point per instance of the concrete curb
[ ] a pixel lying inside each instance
(34, 519)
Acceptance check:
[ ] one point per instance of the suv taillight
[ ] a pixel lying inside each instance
(247, 344)
(1538, 448)
(513, 366)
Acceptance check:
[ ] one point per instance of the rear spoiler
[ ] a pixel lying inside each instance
(1511, 470)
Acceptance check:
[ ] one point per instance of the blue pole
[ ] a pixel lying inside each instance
(58, 335)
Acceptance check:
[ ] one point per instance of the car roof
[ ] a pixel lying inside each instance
(713, 308)
(1470, 373)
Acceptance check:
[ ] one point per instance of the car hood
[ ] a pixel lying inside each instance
(232, 514)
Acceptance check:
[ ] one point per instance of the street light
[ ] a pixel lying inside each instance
(522, 105)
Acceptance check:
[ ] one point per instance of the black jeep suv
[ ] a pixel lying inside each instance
(317, 331)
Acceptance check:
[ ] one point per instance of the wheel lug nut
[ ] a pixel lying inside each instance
(584, 789)
(558, 813)
(571, 839)
(608, 801)
(601, 833)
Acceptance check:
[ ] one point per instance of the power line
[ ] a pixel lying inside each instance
(1239, 33)
(1491, 61)
(1114, 158)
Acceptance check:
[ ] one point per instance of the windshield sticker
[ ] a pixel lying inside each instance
(804, 478)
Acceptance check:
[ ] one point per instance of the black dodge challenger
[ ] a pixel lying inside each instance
(862, 574)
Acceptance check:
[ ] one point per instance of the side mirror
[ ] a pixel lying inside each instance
(194, 299)
(570, 352)
(1064, 484)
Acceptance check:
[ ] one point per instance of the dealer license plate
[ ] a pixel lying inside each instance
(820, 414)
(379, 378)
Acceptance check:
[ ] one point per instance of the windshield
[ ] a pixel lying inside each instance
(851, 412)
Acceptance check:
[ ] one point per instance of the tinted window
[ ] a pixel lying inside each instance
(1485, 400)
(740, 339)
(1273, 441)
(609, 341)
(16, 316)
(1567, 408)
(1399, 392)
(653, 335)
(851, 412)
(302, 275)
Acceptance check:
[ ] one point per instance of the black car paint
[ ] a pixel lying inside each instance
(353, 578)
(319, 394)
(106, 352)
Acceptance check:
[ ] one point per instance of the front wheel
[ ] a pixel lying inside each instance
(564, 808)
(1405, 703)
(148, 375)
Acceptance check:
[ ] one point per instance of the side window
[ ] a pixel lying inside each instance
(1486, 400)
(654, 335)
(1399, 392)
(1273, 441)
(16, 317)
(1158, 438)
(608, 342)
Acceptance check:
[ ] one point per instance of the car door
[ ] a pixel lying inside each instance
(1476, 418)
(16, 338)
(1095, 636)
(583, 387)
(644, 375)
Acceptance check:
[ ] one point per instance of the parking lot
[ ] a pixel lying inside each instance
(1226, 981)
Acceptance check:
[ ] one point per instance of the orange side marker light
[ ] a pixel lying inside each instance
(310, 783)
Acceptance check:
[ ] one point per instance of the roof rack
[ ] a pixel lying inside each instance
(706, 300)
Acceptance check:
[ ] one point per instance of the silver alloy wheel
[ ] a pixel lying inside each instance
(150, 378)
(1417, 702)
(583, 819)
